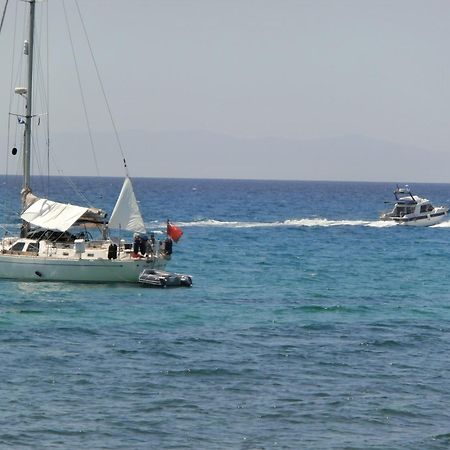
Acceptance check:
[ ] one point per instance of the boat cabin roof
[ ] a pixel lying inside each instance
(409, 201)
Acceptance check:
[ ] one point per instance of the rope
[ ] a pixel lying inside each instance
(48, 102)
(103, 89)
(70, 182)
(40, 95)
(7, 200)
(3, 15)
(83, 101)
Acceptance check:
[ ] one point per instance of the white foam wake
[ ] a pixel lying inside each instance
(311, 222)
(306, 222)
(445, 224)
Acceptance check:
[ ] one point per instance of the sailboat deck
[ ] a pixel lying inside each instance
(92, 250)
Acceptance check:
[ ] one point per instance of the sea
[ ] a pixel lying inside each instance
(311, 324)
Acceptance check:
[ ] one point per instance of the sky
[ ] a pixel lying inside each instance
(205, 82)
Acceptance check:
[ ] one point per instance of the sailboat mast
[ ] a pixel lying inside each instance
(28, 51)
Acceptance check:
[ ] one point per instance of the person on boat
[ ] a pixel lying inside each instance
(168, 246)
(139, 245)
(136, 244)
(151, 244)
(143, 244)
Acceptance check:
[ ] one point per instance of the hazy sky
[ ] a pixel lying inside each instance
(290, 69)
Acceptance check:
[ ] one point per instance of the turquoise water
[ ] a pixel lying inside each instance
(310, 325)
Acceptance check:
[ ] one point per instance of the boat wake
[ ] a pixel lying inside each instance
(445, 224)
(312, 222)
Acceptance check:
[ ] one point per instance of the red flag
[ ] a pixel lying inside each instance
(174, 232)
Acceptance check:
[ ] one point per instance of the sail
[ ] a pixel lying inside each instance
(126, 214)
(52, 215)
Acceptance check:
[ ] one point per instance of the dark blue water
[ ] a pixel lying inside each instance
(310, 325)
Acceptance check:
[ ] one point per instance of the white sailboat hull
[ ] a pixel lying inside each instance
(40, 268)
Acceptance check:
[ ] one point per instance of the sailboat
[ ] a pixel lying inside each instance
(46, 249)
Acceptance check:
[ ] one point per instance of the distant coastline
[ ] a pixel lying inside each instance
(209, 155)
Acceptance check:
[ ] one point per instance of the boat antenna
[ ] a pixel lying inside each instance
(396, 192)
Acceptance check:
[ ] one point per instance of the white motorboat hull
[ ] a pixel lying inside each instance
(38, 268)
(422, 221)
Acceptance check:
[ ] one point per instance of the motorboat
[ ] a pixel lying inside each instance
(410, 209)
(160, 278)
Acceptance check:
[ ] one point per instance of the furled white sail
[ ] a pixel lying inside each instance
(52, 215)
(126, 214)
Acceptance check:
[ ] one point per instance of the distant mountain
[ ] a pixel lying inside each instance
(202, 154)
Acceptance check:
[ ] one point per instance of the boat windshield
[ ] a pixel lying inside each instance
(401, 211)
(426, 208)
